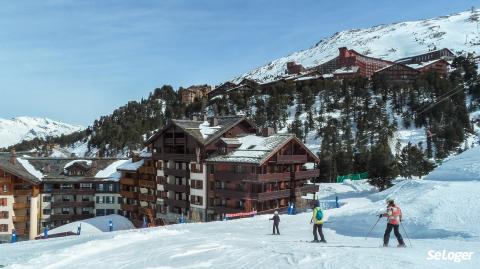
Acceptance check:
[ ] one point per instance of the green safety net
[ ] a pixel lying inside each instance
(360, 176)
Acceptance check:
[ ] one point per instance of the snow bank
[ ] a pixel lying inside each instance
(95, 225)
(462, 167)
(432, 209)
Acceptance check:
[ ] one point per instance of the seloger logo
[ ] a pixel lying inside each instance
(452, 256)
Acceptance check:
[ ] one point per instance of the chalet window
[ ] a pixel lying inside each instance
(85, 198)
(100, 199)
(110, 187)
(100, 187)
(100, 212)
(3, 228)
(85, 211)
(47, 211)
(47, 198)
(120, 200)
(110, 211)
(65, 186)
(110, 199)
(5, 188)
(65, 211)
(3, 214)
(3, 201)
(66, 198)
(196, 184)
(196, 200)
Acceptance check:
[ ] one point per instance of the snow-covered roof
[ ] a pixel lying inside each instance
(30, 169)
(253, 149)
(95, 225)
(110, 172)
(130, 166)
(87, 162)
(423, 64)
(206, 129)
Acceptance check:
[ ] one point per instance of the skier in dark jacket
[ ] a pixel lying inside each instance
(276, 221)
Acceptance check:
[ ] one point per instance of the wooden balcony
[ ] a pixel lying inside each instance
(307, 174)
(271, 177)
(129, 194)
(290, 159)
(308, 188)
(20, 219)
(273, 195)
(161, 180)
(65, 204)
(176, 141)
(227, 210)
(236, 194)
(177, 203)
(20, 205)
(232, 176)
(128, 181)
(147, 184)
(174, 157)
(177, 188)
(147, 197)
(146, 211)
(74, 191)
(127, 207)
(22, 192)
(70, 217)
(150, 170)
(176, 172)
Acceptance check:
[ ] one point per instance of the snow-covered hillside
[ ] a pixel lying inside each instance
(18, 129)
(458, 32)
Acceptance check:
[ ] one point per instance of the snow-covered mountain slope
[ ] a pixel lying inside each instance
(18, 129)
(464, 166)
(437, 216)
(458, 32)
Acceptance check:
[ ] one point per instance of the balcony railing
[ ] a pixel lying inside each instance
(73, 191)
(65, 204)
(147, 197)
(127, 207)
(177, 188)
(147, 170)
(309, 188)
(175, 157)
(20, 218)
(307, 174)
(128, 181)
(177, 203)
(20, 205)
(264, 196)
(22, 192)
(178, 141)
(232, 176)
(129, 194)
(273, 177)
(71, 217)
(176, 172)
(288, 159)
(147, 184)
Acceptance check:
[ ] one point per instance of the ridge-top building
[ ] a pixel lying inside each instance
(210, 167)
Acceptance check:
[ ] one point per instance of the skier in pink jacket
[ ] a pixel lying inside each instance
(394, 217)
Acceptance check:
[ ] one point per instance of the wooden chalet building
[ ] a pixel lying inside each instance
(39, 192)
(196, 179)
(444, 54)
(19, 199)
(192, 93)
(399, 72)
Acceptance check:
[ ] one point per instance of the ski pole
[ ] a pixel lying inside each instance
(405, 231)
(372, 227)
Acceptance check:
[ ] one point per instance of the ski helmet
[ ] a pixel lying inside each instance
(390, 201)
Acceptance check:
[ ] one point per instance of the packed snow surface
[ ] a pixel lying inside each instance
(16, 130)
(464, 166)
(95, 225)
(437, 216)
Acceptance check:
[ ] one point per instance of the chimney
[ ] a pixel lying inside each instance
(268, 131)
(342, 52)
(13, 156)
(213, 121)
(194, 118)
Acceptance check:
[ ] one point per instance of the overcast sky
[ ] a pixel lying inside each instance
(77, 60)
